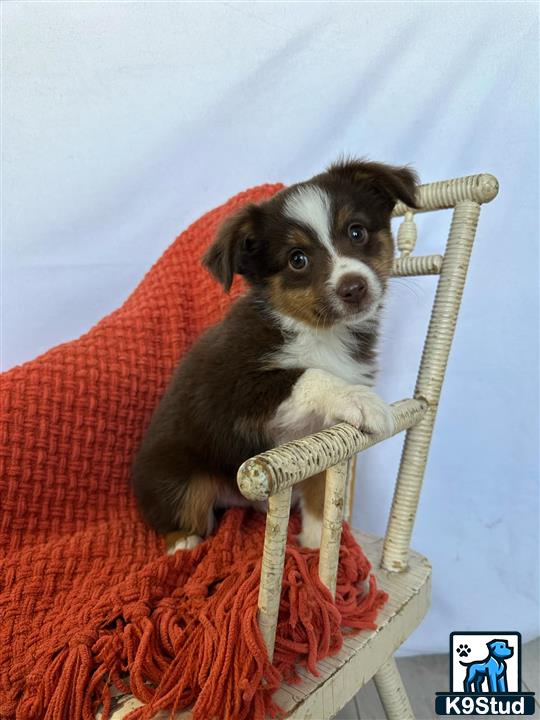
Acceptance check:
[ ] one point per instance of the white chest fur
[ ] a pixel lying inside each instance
(324, 349)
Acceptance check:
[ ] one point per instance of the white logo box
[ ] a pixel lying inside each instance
(477, 643)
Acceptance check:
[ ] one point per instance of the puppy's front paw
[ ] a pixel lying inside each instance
(361, 407)
(179, 541)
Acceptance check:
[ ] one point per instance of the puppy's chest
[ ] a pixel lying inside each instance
(332, 351)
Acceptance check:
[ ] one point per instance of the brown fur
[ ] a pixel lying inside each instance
(218, 408)
(382, 261)
(212, 416)
(300, 303)
(312, 491)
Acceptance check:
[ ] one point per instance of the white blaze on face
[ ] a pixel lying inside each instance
(311, 206)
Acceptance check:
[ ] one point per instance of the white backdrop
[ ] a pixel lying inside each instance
(122, 122)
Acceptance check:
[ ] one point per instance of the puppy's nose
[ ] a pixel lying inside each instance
(352, 289)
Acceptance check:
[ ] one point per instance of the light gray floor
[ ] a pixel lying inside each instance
(424, 676)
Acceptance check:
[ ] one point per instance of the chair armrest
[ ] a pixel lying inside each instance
(275, 470)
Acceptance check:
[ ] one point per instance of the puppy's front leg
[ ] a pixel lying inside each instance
(320, 399)
(317, 401)
(311, 506)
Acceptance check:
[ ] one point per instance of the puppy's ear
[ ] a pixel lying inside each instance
(234, 240)
(395, 183)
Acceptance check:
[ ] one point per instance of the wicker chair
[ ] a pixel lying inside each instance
(402, 573)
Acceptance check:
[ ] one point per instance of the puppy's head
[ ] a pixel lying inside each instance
(320, 251)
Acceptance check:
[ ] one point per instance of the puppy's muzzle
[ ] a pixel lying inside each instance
(352, 290)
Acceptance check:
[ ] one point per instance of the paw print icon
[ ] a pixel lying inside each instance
(463, 650)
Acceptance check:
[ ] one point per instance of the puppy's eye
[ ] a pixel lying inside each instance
(298, 260)
(358, 234)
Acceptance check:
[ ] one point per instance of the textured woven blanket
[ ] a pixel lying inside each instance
(88, 598)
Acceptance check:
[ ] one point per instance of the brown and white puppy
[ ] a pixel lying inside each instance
(294, 355)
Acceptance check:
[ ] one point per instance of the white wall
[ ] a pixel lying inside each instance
(122, 122)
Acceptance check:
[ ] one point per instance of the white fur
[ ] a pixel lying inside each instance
(319, 400)
(310, 205)
(186, 543)
(324, 348)
(311, 528)
(344, 265)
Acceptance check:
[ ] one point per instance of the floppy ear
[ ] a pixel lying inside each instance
(235, 239)
(394, 183)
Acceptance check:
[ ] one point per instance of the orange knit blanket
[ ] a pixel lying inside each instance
(88, 598)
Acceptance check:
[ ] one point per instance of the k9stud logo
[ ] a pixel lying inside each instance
(485, 676)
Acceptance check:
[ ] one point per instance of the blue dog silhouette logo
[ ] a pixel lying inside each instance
(492, 668)
(485, 676)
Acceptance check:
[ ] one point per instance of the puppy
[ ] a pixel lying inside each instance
(295, 354)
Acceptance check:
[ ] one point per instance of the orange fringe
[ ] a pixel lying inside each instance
(196, 642)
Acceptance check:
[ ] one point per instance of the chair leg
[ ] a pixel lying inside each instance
(392, 692)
